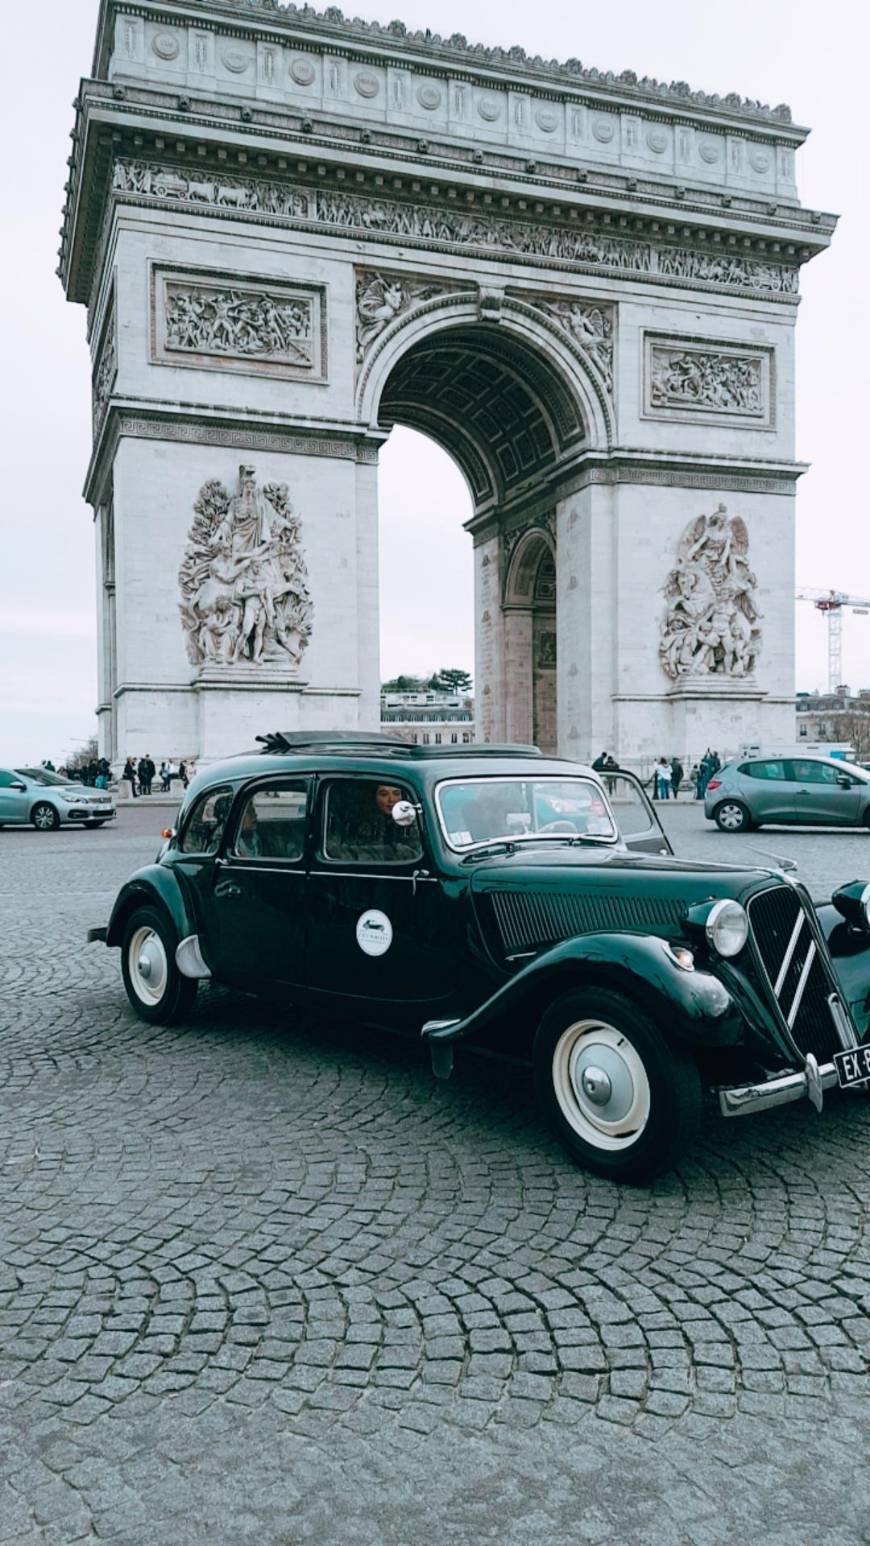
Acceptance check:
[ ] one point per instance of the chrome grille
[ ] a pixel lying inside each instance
(527, 920)
(795, 970)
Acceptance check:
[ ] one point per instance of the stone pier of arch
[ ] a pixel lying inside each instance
(292, 232)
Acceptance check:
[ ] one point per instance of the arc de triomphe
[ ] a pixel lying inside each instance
(293, 231)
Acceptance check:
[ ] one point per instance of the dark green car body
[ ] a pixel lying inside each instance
(482, 942)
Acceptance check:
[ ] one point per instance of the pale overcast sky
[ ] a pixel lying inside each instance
(812, 56)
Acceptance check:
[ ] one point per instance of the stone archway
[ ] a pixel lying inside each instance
(531, 640)
(515, 408)
(292, 231)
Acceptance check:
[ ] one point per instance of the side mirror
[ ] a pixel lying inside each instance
(844, 781)
(22, 788)
(404, 813)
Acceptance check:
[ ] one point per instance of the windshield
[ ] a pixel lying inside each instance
(487, 810)
(42, 776)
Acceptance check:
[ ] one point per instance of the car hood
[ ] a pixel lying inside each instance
(528, 900)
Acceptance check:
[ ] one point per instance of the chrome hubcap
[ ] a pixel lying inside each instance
(149, 967)
(44, 819)
(596, 1085)
(601, 1085)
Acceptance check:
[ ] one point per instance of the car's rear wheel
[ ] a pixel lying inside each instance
(616, 1096)
(155, 987)
(44, 817)
(732, 816)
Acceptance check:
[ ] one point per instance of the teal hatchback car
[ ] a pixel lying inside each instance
(33, 797)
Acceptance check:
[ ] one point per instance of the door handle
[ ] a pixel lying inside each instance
(227, 888)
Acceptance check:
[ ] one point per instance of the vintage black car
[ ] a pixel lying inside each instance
(492, 895)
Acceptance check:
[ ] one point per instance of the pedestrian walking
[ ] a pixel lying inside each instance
(182, 774)
(165, 776)
(676, 776)
(663, 779)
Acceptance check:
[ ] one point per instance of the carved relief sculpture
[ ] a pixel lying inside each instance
(380, 298)
(243, 579)
(106, 371)
(704, 379)
(590, 326)
(230, 322)
(711, 625)
(240, 323)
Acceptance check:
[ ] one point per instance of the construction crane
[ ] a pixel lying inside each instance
(832, 602)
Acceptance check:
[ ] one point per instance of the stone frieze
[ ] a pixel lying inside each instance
(450, 229)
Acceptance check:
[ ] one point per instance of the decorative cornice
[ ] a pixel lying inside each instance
(194, 427)
(622, 196)
(455, 52)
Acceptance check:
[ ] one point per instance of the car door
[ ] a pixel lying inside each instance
(14, 801)
(636, 817)
(257, 905)
(381, 928)
(771, 793)
(825, 795)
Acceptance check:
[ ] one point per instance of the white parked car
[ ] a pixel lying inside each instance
(35, 797)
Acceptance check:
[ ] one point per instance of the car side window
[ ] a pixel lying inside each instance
(7, 780)
(358, 827)
(273, 822)
(204, 827)
(814, 773)
(771, 771)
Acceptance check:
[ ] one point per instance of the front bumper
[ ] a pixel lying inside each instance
(745, 1099)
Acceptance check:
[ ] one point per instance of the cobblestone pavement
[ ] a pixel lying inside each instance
(262, 1279)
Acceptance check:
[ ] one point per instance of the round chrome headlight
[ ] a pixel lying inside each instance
(727, 928)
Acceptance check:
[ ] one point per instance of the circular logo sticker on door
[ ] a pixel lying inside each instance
(374, 933)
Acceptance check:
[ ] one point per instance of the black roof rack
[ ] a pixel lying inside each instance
(360, 742)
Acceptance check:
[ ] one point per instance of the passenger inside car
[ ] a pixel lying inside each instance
(360, 825)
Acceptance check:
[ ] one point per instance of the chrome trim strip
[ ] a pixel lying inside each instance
(799, 922)
(745, 1099)
(799, 993)
(372, 875)
(842, 1022)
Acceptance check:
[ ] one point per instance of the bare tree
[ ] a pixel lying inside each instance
(853, 728)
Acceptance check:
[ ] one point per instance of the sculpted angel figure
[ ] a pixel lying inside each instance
(378, 301)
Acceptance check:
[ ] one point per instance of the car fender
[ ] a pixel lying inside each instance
(692, 1008)
(156, 885)
(850, 957)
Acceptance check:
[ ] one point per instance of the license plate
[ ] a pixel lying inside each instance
(852, 1067)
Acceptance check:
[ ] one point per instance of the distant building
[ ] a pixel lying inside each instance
(819, 715)
(428, 718)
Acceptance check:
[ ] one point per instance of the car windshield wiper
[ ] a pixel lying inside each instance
(509, 845)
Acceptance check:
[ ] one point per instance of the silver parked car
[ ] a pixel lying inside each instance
(35, 797)
(788, 791)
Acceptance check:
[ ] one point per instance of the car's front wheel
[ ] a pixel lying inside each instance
(732, 816)
(155, 987)
(44, 817)
(616, 1096)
